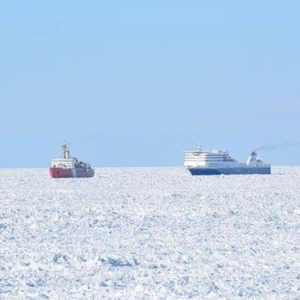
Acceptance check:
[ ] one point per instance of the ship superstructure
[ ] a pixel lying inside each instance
(68, 166)
(216, 162)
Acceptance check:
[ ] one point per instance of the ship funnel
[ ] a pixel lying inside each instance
(251, 161)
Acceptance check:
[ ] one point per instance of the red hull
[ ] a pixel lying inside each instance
(67, 173)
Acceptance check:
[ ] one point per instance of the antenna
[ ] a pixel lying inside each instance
(66, 152)
(199, 146)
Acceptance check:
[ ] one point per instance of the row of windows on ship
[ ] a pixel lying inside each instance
(214, 158)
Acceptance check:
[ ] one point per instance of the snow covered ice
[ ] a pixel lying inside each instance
(149, 233)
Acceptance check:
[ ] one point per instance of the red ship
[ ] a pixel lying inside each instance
(68, 166)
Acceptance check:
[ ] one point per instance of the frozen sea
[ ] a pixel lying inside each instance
(149, 233)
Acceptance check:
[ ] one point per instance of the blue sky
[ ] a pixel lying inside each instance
(134, 83)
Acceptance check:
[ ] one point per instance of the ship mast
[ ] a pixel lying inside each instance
(199, 146)
(66, 152)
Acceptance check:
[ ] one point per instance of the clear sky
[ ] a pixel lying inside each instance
(134, 83)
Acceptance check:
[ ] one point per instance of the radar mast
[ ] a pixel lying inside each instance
(66, 152)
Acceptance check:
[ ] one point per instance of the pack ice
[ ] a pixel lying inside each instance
(149, 233)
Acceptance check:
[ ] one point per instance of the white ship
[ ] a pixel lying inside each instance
(217, 162)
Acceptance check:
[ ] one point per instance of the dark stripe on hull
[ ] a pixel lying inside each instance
(84, 173)
(230, 171)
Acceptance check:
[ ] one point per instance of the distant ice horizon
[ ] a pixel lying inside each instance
(135, 167)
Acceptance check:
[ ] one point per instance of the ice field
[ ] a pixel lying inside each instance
(150, 233)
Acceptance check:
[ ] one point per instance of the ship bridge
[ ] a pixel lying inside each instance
(68, 163)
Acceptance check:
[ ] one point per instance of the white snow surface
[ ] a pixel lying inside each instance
(150, 233)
